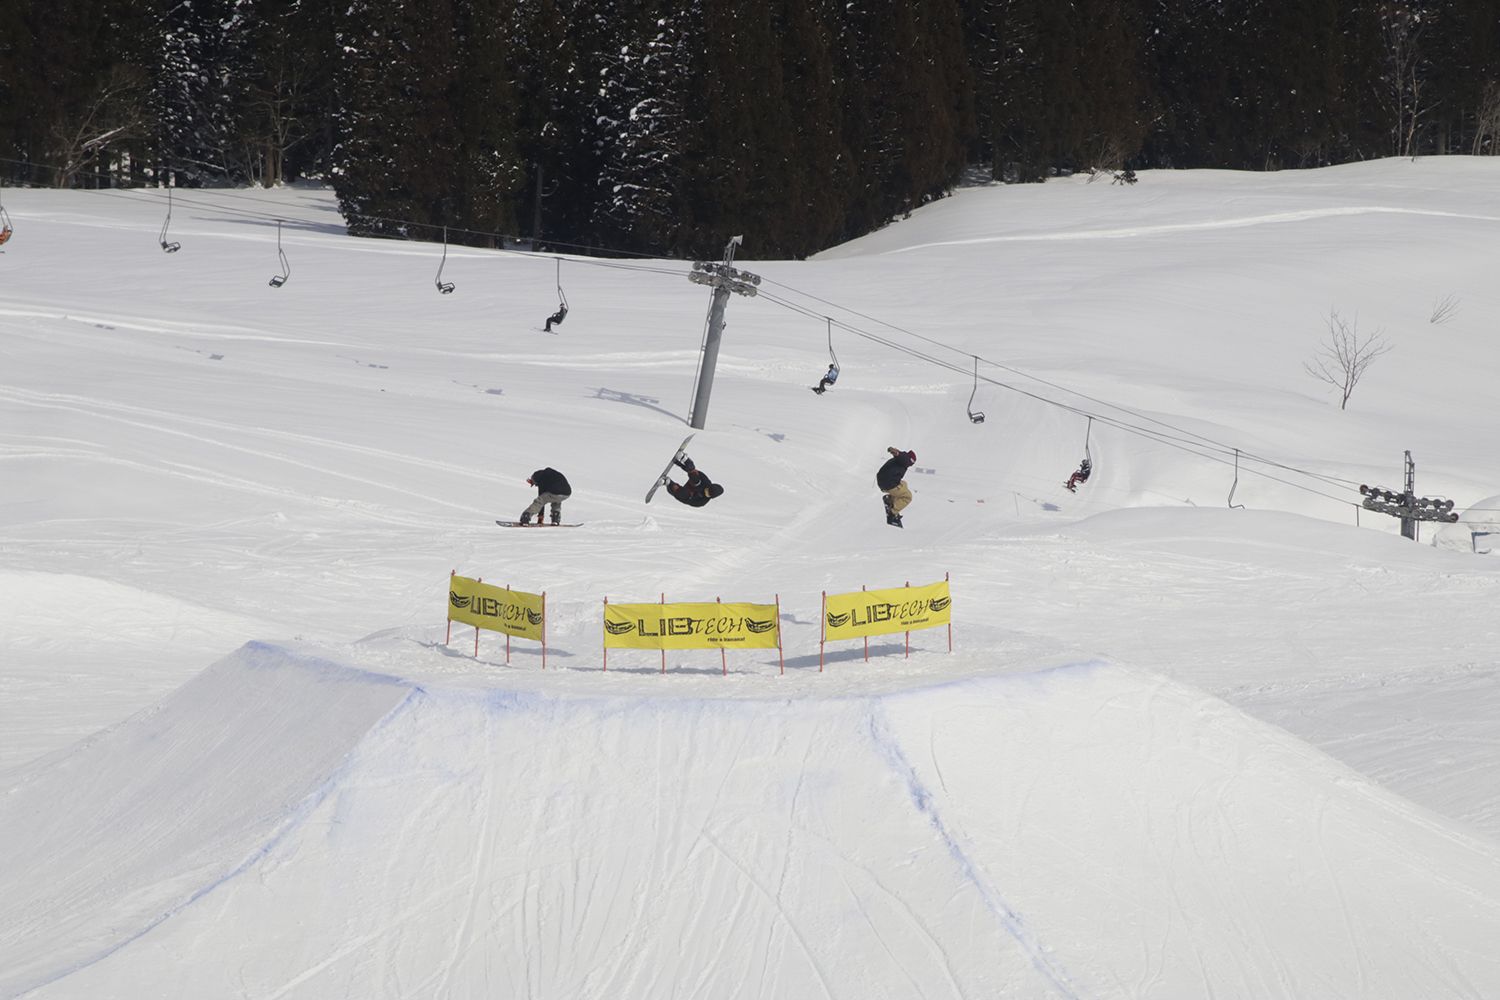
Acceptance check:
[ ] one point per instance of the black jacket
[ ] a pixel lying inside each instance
(694, 492)
(893, 471)
(551, 481)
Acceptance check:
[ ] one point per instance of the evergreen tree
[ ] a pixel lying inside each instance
(426, 120)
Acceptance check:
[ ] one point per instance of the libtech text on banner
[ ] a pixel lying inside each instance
(691, 626)
(879, 612)
(514, 612)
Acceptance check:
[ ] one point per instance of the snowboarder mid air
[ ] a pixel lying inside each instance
(889, 479)
(697, 491)
(551, 487)
(828, 380)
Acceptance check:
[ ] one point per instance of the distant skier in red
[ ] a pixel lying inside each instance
(551, 487)
(890, 480)
(697, 491)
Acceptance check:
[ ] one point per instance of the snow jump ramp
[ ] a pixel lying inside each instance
(289, 827)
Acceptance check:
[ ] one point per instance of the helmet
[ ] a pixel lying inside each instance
(912, 457)
(715, 490)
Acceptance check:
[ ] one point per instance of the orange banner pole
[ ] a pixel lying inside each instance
(606, 643)
(544, 630)
(950, 618)
(779, 655)
(507, 640)
(822, 631)
(476, 628)
(867, 638)
(664, 648)
(449, 637)
(908, 634)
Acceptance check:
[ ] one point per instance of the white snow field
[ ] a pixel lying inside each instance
(1177, 750)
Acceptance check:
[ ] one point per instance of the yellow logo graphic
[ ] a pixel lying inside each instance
(880, 612)
(691, 626)
(513, 612)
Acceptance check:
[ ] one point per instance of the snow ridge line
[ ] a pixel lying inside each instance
(889, 747)
(292, 822)
(1187, 227)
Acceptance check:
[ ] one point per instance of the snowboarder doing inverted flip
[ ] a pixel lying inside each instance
(889, 479)
(551, 487)
(697, 491)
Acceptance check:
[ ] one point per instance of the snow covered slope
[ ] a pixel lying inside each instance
(1085, 831)
(195, 460)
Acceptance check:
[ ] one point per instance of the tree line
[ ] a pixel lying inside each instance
(665, 126)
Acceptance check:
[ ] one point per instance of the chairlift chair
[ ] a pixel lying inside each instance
(286, 269)
(5, 227)
(974, 416)
(443, 287)
(1086, 467)
(167, 246)
(562, 302)
(828, 381)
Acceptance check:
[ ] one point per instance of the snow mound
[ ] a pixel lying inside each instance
(284, 827)
(1476, 530)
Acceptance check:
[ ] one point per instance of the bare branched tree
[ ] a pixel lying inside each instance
(1341, 360)
(1444, 308)
(1402, 27)
(116, 112)
(1487, 121)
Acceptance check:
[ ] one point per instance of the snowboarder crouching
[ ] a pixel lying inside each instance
(697, 491)
(551, 487)
(889, 479)
(828, 380)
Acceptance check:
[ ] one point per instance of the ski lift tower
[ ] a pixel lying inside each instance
(1406, 505)
(723, 279)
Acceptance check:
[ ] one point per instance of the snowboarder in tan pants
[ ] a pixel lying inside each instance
(889, 479)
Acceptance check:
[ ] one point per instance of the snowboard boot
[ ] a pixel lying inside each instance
(525, 519)
(894, 519)
(890, 505)
(817, 389)
(684, 463)
(556, 516)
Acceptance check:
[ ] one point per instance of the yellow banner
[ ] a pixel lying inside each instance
(879, 612)
(691, 626)
(514, 612)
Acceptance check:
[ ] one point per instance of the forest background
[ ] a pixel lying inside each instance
(665, 126)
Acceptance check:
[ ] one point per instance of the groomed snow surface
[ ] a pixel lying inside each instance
(1178, 749)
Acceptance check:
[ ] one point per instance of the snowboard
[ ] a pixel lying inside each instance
(661, 480)
(536, 524)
